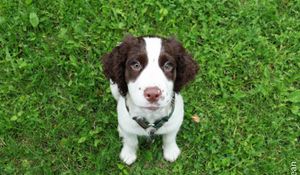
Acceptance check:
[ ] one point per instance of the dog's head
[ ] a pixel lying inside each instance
(150, 69)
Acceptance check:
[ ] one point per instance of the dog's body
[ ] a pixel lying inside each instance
(146, 75)
(129, 129)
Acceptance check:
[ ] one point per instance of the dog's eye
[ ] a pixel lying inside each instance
(168, 67)
(135, 65)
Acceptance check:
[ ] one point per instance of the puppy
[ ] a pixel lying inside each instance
(146, 75)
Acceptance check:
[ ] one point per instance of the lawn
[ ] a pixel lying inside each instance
(57, 115)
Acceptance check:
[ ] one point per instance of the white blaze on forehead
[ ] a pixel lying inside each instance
(153, 47)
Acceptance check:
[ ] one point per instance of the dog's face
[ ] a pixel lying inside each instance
(149, 69)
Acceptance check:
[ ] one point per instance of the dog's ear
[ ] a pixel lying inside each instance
(186, 67)
(114, 64)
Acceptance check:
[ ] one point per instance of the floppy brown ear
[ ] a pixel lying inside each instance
(186, 68)
(114, 64)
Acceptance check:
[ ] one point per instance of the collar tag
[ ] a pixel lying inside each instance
(151, 124)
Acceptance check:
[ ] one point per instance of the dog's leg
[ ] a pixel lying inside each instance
(114, 90)
(171, 150)
(130, 145)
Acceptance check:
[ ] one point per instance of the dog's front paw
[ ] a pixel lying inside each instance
(128, 156)
(171, 152)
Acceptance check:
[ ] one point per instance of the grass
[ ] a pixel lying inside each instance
(57, 115)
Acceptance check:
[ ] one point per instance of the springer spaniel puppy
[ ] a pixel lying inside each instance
(146, 75)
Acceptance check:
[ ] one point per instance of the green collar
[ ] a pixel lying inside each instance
(158, 123)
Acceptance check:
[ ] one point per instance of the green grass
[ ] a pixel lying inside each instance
(57, 115)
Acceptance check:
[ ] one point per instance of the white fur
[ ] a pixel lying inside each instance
(152, 75)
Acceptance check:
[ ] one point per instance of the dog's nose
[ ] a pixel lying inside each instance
(152, 94)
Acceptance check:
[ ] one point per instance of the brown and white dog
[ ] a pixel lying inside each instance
(146, 75)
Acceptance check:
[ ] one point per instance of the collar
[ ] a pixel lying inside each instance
(158, 123)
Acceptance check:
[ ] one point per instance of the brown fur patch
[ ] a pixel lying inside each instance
(135, 56)
(114, 63)
(163, 59)
(186, 67)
